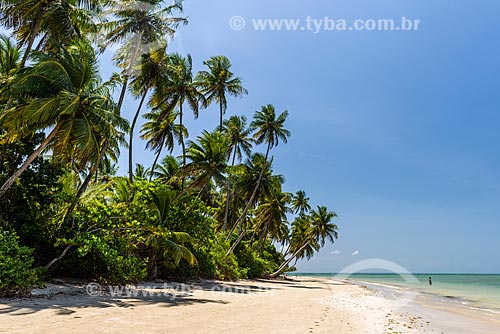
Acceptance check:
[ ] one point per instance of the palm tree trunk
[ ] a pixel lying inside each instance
(228, 195)
(156, 160)
(235, 244)
(181, 137)
(39, 46)
(128, 72)
(131, 135)
(122, 94)
(28, 161)
(283, 266)
(34, 31)
(221, 112)
(252, 198)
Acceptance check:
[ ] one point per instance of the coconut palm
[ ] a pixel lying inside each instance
(311, 233)
(153, 69)
(239, 135)
(255, 170)
(10, 57)
(64, 94)
(270, 216)
(300, 203)
(168, 171)
(269, 128)
(143, 26)
(207, 160)
(178, 89)
(240, 142)
(218, 82)
(63, 20)
(161, 132)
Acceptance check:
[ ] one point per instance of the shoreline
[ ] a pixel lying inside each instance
(297, 305)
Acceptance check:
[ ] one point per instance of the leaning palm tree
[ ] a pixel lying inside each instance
(270, 130)
(62, 20)
(63, 93)
(219, 81)
(240, 143)
(252, 174)
(142, 25)
(160, 131)
(270, 216)
(320, 229)
(178, 89)
(153, 69)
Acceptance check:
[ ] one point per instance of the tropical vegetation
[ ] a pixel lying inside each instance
(217, 210)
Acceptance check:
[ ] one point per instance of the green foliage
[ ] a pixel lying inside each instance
(16, 273)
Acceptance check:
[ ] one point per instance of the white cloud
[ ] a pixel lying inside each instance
(355, 253)
(335, 252)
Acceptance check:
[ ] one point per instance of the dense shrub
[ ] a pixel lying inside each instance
(16, 272)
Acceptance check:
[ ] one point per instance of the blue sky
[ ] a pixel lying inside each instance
(395, 131)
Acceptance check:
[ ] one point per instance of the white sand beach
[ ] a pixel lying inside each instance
(301, 305)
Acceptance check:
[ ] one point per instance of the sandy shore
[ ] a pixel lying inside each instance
(304, 305)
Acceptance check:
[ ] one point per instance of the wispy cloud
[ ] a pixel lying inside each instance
(335, 252)
(355, 253)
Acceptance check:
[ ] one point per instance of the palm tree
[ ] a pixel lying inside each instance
(271, 218)
(320, 229)
(207, 159)
(219, 81)
(256, 170)
(153, 69)
(165, 245)
(240, 141)
(63, 93)
(168, 171)
(10, 56)
(300, 203)
(63, 20)
(141, 24)
(179, 88)
(161, 132)
(269, 129)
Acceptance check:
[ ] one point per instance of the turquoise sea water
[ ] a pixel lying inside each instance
(471, 289)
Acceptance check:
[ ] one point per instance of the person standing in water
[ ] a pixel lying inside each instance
(430, 280)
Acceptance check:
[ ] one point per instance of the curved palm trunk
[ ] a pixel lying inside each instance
(252, 198)
(129, 70)
(228, 195)
(131, 136)
(181, 138)
(235, 244)
(28, 161)
(221, 112)
(156, 160)
(285, 264)
(34, 31)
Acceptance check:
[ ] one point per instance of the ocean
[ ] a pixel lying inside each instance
(482, 291)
